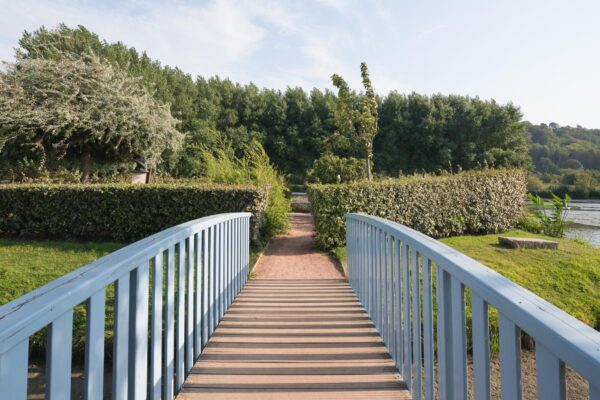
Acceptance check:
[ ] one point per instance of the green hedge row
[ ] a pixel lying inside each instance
(118, 212)
(468, 202)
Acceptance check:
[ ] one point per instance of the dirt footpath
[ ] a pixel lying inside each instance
(294, 255)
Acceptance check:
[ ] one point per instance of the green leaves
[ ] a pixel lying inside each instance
(356, 115)
(468, 202)
(119, 212)
(551, 216)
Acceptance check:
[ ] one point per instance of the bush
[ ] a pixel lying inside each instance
(221, 165)
(119, 212)
(469, 202)
(333, 169)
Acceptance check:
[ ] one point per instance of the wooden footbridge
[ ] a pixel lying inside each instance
(188, 324)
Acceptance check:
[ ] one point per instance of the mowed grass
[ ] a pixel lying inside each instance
(26, 265)
(568, 277)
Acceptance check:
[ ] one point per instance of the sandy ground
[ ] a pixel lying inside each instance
(294, 255)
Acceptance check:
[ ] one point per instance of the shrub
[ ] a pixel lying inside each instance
(119, 212)
(551, 217)
(333, 169)
(469, 202)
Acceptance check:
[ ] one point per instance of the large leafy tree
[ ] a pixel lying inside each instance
(79, 107)
(356, 115)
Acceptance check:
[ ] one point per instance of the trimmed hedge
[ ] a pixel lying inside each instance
(119, 212)
(468, 202)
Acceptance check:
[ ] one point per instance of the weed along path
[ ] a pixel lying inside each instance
(296, 331)
(294, 255)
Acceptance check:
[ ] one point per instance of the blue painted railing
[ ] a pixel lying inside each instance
(207, 263)
(392, 268)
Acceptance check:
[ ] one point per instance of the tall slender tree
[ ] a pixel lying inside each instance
(356, 115)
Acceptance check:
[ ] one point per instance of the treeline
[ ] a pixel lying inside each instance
(565, 160)
(296, 127)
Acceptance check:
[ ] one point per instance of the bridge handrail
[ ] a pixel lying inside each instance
(378, 246)
(216, 247)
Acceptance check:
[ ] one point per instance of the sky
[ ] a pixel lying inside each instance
(542, 55)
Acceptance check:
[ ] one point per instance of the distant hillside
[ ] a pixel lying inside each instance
(555, 147)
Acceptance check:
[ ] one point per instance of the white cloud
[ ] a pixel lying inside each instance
(430, 32)
(203, 39)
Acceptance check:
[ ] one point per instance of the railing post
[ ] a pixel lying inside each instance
(58, 360)
(407, 318)
(510, 358)
(428, 349)
(444, 334)
(157, 332)
(138, 332)
(550, 373)
(481, 347)
(169, 356)
(416, 324)
(94, 346)
(120, 374)
(13, 371)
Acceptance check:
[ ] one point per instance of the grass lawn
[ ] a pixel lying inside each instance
(26, 265)
(568, 277)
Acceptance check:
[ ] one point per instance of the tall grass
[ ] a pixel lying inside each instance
(222, 165)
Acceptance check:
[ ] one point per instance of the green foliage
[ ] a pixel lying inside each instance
(356, 115)
(433, 133)
(119, 212)
(468, 202)
(530, 223)
(330, 168)
(221, 165)
(568, 277)
(295, 127)
(28, 265)
(81, 108)
(552, 217)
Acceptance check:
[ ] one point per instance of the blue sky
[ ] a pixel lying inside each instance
(541, 55)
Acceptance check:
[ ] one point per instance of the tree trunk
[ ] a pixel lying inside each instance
(86, 167)
(369, 162)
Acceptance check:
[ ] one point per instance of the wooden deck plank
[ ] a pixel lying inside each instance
(295, 340)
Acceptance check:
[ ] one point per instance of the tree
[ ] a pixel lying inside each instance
(356, 115)
(80, 108)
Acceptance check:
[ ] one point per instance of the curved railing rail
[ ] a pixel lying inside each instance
(392, 267)
(163, 318)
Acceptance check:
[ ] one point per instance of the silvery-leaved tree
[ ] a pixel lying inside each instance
(79, 107)
(356, 115)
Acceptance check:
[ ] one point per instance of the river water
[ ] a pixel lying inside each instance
(585, 221)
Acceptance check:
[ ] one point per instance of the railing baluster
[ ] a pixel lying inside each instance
(198, 298)
(428, 368)
(510, 358)
(444, 333)
(138, 332)
(169, 358)
(382, 285)
(157, 333)
(58, 359)
(13, 371)
(213, 280)
(120, 374)
(407, 316)
(227, 265)
(416, 324)
(390, 291)
(481, 347)
(94, 346)
(221, 271)
(189, 341)
(594, 392)
(205, 285)
(398, 306)
(459, 343)
(180, 320)
(550, 374)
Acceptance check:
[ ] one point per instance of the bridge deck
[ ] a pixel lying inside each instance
(295, 339)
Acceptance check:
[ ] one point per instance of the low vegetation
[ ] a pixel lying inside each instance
(469, 202)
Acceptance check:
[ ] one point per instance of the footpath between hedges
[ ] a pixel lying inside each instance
(294, 254)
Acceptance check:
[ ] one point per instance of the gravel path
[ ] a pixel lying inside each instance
(294, 255)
